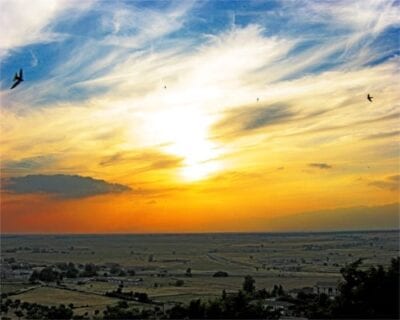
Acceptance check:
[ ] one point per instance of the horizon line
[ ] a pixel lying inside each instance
(199, 233)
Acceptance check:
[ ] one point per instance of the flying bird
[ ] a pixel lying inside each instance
(369, 98)
(18, 78)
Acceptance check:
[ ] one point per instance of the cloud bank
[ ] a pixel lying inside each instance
(62, 186)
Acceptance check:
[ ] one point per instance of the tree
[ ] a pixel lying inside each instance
(373, 293)
(179, 283)
(262, 294)
(115, 269)
(196, 309)
(123, 304)
(90, 270)
(277, 291)
(72, 271)
(17, 302)
(47, 274)
(219, 274)
(223, 296)
(19, 314)
(142, 297)
(177, 312)
(60, 312)
(214, 310)
(188, 272)
(122, 273)
(131, 272)
(249, 284)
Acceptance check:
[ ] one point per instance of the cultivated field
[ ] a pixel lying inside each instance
(159, 261)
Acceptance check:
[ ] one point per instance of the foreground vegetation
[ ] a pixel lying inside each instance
(363, 293)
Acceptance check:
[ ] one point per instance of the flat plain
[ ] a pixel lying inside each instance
(159, 261)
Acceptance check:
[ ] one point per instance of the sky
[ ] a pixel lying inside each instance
(199, 116)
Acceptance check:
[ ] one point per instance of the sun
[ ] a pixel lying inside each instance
(186, 131)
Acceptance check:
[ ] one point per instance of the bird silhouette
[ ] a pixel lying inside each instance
(369, 98)
(18, 78)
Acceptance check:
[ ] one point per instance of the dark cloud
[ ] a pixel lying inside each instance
(62, 186)
(389, 117)
(112, 160)
(391, 183)
(171, 162)
(383, 135)
(320, 165)
(28, 164)
(145, 161)
(245, 119)
(159, 192)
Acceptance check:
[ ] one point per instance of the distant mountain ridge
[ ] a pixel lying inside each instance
(353, 218)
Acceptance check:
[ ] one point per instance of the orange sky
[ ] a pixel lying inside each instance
(165, 124)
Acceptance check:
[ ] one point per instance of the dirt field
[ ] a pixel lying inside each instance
(292, 260)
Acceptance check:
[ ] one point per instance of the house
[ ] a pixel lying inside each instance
(132, 281)
(15, 271)
(328, 288)
(115, 280)
(280, 306)
(162, 273)
(125, 281)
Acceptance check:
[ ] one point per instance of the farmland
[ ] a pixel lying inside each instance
(175, 268)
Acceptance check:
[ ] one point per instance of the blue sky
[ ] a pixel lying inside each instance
(97, 29)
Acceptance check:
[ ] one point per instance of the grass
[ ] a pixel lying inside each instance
(13, 286)
(55, 296)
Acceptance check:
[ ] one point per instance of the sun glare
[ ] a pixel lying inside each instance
(185, 132)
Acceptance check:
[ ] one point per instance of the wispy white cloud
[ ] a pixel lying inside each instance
(366, 16)
(356, 24)
(34, 60)
(134, 27)
(26, 22)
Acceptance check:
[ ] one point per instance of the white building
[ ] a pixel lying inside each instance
(328, 288)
